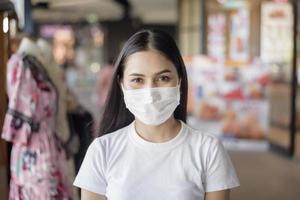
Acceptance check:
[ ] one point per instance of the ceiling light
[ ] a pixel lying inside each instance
(5, 25)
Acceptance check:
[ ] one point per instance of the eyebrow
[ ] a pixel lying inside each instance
(158, 73)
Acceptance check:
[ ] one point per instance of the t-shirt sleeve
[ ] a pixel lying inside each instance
(220, 173)
(91, 175)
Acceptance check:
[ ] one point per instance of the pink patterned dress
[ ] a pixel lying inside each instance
(38, 159)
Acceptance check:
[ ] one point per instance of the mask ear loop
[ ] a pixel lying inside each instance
(179, 83)
(121, 84)
(122, 88)
(179, 89)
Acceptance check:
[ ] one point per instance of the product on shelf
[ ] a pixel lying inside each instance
(209, 112)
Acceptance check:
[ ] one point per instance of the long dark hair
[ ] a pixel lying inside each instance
(116, 115)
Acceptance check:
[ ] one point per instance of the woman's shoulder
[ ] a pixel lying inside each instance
(202, 138)
(203, 143)
(115, 137)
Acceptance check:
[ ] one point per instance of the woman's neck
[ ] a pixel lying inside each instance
(161, 133)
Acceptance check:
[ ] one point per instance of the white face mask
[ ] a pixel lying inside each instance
(152, 106)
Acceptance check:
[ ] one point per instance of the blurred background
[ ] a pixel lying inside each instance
(242, 59)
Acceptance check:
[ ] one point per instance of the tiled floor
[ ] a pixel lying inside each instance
(266, 176)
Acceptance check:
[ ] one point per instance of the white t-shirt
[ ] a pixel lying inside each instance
(123, 166)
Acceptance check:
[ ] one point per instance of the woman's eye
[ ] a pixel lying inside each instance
(137, 80)
(164, 78)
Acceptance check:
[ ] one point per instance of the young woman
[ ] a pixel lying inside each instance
(146, 150)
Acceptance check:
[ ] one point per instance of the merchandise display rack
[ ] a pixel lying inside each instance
(284, 135)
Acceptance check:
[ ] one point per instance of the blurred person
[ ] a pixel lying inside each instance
(80, 119)
(146, 150)
(63, 46)
(63, 54)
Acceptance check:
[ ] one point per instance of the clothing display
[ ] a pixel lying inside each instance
(38, 160)
(123, 166)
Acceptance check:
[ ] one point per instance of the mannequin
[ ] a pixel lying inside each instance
(29, 47)
(56, 75)
(63, 130)
(38, 158)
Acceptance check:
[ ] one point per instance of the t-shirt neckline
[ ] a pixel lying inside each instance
(157, 146)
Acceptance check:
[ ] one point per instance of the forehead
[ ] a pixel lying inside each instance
(147, 62)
